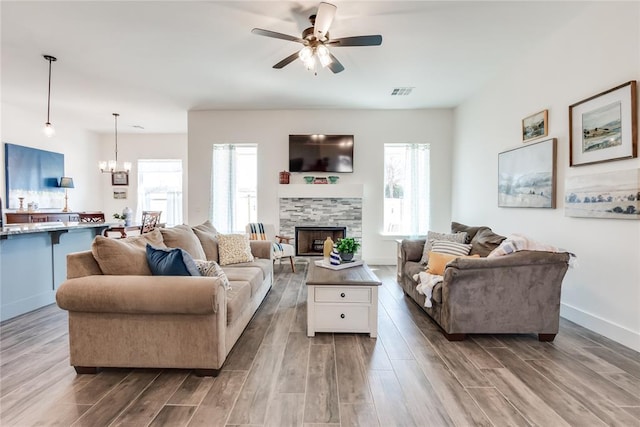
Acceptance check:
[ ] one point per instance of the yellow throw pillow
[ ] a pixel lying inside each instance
(438, 262)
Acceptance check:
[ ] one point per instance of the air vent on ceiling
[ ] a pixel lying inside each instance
(401, 91)
(137, 126)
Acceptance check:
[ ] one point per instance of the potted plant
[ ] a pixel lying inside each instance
(347, 247)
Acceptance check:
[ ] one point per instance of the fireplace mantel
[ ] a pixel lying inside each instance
(351, 191)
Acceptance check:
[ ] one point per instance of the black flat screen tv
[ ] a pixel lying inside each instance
(321, 153)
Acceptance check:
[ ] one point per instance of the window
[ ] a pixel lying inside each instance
(235, 180)
(160, 189)
(406, 189)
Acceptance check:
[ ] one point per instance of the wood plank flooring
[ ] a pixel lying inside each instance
(277, 376)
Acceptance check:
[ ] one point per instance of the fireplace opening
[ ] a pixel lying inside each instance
(310, 240)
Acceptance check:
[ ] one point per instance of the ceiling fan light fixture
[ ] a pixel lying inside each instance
(305, 54)
(323, 55)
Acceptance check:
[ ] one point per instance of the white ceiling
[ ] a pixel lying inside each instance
(152, 61)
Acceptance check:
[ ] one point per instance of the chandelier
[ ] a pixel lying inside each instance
(111, 166)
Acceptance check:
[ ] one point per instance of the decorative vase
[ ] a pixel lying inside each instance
(128, 216)
(346, 257)
(327, 248)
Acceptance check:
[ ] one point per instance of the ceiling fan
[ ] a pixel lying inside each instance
(316, 41)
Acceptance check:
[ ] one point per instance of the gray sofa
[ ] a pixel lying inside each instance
(516, 293)
(122, 316)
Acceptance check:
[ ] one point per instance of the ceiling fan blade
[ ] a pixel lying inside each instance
(286, 61)
(374, 40)
(335, 65)
(273, 34)
(324, 18)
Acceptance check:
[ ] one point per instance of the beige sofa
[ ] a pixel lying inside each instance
(118, 319)
(516, 293)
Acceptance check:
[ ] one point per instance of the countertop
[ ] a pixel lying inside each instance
(41, 227)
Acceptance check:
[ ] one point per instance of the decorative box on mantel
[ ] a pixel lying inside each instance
(351, 191)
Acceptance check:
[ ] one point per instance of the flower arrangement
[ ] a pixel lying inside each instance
(122, 216)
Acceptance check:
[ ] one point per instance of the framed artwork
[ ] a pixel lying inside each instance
(119, 194)
(120, 178)
(535, 126)
(604, 195)
(527, 176)
(604, 127)
(33, 174)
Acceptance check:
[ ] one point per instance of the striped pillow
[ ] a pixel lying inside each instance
(452, 248)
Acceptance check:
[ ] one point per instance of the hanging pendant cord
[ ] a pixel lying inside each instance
(115, 115)
(50, 59)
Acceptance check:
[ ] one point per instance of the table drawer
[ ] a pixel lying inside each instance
(334, 294)
(342, 318)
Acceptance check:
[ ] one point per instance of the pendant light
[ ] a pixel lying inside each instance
(48, 127)
(111, 166)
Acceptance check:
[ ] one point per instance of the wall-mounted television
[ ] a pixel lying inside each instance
(321, 153)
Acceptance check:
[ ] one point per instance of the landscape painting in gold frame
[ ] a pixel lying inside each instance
(604, 127)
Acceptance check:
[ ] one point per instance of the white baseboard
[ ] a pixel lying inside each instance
(381, 261)
(613, 331)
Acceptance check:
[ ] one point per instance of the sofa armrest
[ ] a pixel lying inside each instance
(516, 293)
(80, 264)
(143, 295)
(261, 249)
(411, 250)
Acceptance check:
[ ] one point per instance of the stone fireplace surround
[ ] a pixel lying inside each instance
(321, 212)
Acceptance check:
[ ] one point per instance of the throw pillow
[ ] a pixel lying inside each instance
(485, 241)
(438, 262)
(171, 262)
(234, 249)
(432, 235)
(181, 236)
(208, 236)
(452, 248)
(125, 256)
(212, 269)
(456, 227)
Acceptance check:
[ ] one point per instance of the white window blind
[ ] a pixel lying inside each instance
(406, 189)
(160, 189)
(234, 186)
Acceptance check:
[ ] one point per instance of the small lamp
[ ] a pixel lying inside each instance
(66, 183)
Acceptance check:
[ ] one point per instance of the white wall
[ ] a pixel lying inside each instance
(80, 149)
(371, 129)
(131, 148)
(596, 51)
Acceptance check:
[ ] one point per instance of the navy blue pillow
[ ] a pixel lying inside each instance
(171, 262)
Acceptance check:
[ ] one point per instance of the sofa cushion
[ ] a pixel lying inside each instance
(181, 236)
(485, 241)
(265, 265)
(209, 241)
(251, 275)
(471, 231)
(171, 262)
(233, 249)
(125, 256)
(432, 235)
(238, 298)
(411, 268)
(213, 269)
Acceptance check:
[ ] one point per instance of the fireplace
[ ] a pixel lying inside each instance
(310, 240)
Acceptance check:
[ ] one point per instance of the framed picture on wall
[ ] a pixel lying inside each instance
(535, 126)
(604, 127)
(119, 193)
(527, 176)
(120, 178)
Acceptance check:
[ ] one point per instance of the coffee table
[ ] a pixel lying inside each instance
(342, 300)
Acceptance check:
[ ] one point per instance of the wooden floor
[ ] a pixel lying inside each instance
(276, 376)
